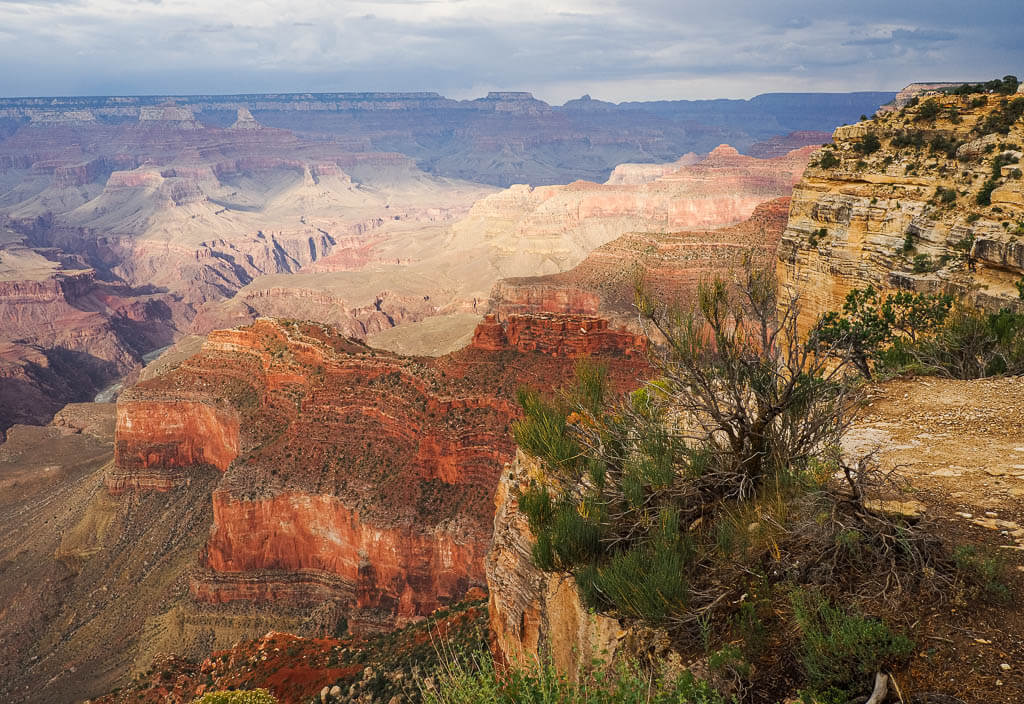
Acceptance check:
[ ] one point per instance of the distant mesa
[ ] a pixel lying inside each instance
(245, 121)
(69, 117)
(179, 117)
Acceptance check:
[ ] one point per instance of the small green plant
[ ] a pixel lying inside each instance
(945, 196)
(987, 572)
(928, 110)
(843, 649)
(828, 160)
(473, 679)
(868, 144)
(923, 264)
(238, 696)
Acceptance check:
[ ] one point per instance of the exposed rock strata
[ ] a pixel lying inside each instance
(535, 614)
(348, 474)
(603, 284)
(566, 223)
(908, 217)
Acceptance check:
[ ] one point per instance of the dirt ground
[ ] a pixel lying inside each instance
(960, 444)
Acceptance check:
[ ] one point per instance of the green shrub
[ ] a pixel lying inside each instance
(908, 138)
(923, 264)
(646, 581)
(240, 696)
(944, 145)
(474, 680)
(974, 344)
(868, 144)
(987, 572)
(1007, 85)
(828, 160)
(945, 196)
(984, 196)
(842, 649)
(928, 110)
(869, 326)
(1001, 119)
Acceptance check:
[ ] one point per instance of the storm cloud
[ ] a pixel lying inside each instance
(558, 49)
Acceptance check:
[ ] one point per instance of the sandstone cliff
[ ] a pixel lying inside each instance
(534, 614)
(349, 475)
(925, 198)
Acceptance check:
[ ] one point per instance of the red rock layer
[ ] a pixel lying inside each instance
(558, 334)
(157, 439)
(349, 474)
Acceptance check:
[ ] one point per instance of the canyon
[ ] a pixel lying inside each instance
(501, 139)
(282, 466)
(670, 266)
(203, 228)
(325, 484)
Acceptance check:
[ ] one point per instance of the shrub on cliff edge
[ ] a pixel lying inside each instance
(239, 696)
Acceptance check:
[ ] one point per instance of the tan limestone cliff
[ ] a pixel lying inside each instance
(912, 215)
(535, 614)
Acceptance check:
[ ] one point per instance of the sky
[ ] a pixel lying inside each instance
(613, 50)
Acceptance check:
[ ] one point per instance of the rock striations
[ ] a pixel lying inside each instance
(349, 475)
(927, 198)
(672, 265)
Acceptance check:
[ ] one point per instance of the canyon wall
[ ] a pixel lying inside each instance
(555, 227)
(672, 266)
(535, 614)
(348, 474)
(925, 198)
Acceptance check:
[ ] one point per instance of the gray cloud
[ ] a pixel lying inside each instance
(612, 49)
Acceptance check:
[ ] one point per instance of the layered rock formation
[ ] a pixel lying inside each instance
(113, 236)
(64, 334)
(350, 475)
(671, 265)
(563, 224)
(447, 270)
(535, 614)
(925, 198)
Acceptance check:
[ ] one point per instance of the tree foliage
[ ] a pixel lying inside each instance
(928, 333)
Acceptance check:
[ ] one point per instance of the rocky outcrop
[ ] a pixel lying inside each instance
(936, 205)
(158, 439)
(558, 334)
(672, 266)
(535, 614)
(350, 475)
(635, 174)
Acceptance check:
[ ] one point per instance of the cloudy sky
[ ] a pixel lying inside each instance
(558, 49)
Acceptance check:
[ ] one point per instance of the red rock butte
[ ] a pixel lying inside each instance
(348, 473)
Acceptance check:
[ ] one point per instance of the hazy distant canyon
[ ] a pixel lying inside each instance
(128, 223)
